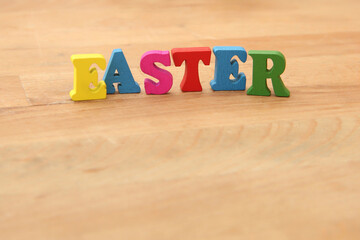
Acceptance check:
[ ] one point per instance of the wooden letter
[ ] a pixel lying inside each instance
(191, 56)
(165, 78)
(261, 73)
(84, 76)
(225, 66)
(123, 76)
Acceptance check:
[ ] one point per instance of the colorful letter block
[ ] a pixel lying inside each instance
(191, 56)
(261, 73)
(84, 76)
(227, 76)
(147, 65)
(225, 66)
(123, 76)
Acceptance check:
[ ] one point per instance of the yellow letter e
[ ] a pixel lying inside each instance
(84, 76)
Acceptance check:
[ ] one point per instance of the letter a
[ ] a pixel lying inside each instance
(123, 76)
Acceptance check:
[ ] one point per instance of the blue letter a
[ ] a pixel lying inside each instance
(123, 77)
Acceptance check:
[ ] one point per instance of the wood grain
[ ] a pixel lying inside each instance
(209, 165)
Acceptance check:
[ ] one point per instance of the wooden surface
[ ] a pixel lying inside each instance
(209, 165)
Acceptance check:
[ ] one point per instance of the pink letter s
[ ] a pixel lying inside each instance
(165, 78)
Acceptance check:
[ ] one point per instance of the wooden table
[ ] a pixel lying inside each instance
(201, 165)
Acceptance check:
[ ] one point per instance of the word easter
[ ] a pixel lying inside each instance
(118, 72)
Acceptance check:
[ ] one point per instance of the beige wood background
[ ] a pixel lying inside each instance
(209, 165)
